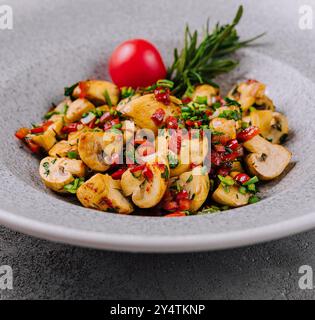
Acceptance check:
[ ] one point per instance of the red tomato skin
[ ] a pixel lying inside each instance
(136, 63)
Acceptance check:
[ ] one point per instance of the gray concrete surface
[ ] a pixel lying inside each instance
(45, 270)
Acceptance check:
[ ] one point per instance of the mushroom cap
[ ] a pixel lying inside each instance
(77, 109)
(56, 173)
(95, 147)
(205, 90)
(266, 160)
(94, 91)
(230, 197)
(142, 108)
(62, 148)
(103, 193)
(197, 184)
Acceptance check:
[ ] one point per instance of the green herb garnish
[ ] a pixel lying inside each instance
(72, 155)
(69, 90)
(107, 98)
(201, 62)
(74, 186)
(253, 199)
(251, 181)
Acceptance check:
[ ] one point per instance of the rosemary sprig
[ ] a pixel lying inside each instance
(200, 63)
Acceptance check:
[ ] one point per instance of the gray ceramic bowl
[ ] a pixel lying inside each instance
(57, 43)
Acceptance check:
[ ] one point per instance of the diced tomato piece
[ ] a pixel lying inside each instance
(170, 206)
(117, 175)
(158, 116)
(184, 204)
(176, 214)
(171, 123)
(223, 171)
(190, 123)
(147, 173)
(230, 156)
(198, 123)
(247, 134)
(219, 148)
(233, 144)
(216, 158)
(182, 195)
(242, 178)
(22, 133)
(162, 95)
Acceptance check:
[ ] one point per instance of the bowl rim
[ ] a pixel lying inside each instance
(156, 244)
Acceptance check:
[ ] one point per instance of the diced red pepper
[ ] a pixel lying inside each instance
(247, 134)
(175, 143)
(158, 116)
(216, 158)
(35, 148)
(73, 127)
(176, 214)
(92, 124)
(186, 100)
(22, 133)
(147, 173)
(184, 204)
(170, 206)
(137, 168)
(83, 89)
(117, 175)
(37, 130)
(233, 144)
(162, 95)
(171, 123)
(198, 123)
(242, 178)
(182, 195)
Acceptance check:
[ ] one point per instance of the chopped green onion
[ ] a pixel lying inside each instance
(231, 102)
(48, 115)
(242, 190)
(165, 83)
(228, 181)
(251, 187)
(251, 181)
(72, 155)
(108, 99)
(127, 92)
(69, 90)
(253, 199)
(74, 186)
(201, 100)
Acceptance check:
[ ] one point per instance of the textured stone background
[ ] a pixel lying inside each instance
(44, 270)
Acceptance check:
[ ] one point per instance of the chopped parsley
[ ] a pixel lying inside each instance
(69, 90)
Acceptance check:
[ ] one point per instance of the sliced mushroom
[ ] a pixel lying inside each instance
(62, 148)
(96, 148)
(77, 109)
(141, 110)
(103, 193)
(224, 127)
(266, 160)
(230, 196)
(205, 90)
(45, 140)
(98, 91)
(197, 184)
(146, 192)
(273, 125)
(56, 173)
(251, 93)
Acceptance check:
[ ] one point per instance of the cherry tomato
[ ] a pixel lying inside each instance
(170, 206)
(233, 144)
(117, 175)
(136, 63)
